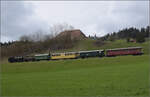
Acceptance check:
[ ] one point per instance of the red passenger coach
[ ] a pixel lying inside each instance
(124, 51)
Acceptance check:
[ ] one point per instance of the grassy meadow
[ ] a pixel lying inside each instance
(114, 76)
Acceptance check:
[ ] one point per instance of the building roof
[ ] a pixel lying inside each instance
(74, 34)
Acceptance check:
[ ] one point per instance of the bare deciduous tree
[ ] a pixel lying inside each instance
(24, 38)
(57, 28)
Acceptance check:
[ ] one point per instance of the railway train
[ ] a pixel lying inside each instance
(79, 54)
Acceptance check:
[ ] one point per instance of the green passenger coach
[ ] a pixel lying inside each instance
(92, 53)
(42, 57)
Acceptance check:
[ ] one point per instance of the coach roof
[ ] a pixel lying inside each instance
(126, 48)
(90, 51)
(42, 55)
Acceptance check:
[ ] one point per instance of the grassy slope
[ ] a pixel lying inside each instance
(115, 76)
(88, 44)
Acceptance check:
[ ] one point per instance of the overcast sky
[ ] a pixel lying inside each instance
(92, 17)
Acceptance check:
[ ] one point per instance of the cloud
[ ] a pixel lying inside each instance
(17, 18)
(96, 17)
(92, 17)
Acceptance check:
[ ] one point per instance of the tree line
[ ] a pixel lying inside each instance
(129, 33)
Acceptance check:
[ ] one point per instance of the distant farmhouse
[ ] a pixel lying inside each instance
(73, 34)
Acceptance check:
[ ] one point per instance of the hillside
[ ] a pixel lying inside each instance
(75, 40)
(89, 44)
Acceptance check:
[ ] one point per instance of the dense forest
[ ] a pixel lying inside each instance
(28, 45)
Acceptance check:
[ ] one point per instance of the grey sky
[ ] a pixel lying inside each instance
(94, 17)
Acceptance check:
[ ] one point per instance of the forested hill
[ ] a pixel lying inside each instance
(138, 35)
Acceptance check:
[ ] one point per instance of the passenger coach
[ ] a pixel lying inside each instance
(92, 53)
(39, 57)
(124, 51)
(68, 55)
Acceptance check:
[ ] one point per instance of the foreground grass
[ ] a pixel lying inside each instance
(115, 76)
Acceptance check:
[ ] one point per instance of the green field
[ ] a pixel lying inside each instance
(114, 76)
